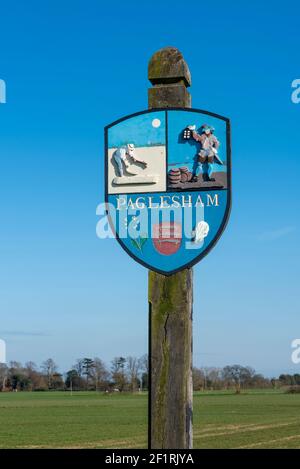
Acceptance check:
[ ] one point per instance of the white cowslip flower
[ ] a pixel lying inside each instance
(200, 232)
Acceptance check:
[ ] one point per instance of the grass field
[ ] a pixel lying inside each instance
(257, 419)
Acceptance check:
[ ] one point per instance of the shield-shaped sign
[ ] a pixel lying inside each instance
(168, 185)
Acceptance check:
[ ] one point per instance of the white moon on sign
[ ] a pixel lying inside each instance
(156, 123)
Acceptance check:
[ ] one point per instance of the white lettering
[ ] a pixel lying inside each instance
(213, 201)
(120, 202)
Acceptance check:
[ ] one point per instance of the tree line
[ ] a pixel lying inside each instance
(238, 377)
(128, 374)
(87, 374)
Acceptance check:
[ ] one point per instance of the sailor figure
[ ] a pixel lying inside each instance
(209, 145)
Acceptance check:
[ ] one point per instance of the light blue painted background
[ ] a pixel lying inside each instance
(138, 130)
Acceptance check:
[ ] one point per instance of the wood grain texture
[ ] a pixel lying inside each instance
(170, 297)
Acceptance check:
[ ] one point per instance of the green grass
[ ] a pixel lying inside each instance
(256, 419)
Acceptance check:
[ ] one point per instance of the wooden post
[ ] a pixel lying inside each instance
(170, 298)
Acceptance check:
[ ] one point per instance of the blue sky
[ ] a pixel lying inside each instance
(139, 131)
(73, 67)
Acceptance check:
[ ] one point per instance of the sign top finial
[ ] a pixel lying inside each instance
(166, 66)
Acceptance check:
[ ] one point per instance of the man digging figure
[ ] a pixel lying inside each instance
(124, 157)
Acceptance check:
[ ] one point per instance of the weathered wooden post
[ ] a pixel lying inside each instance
(168, 196)
(170, 297)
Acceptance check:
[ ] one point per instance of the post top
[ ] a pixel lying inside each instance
(167, 65)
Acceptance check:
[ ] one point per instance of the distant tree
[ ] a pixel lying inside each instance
(296, 378)
(286, 380)
(31, 371)
(133, 368)
(144, 371)
(87, 369)
(79, 366)
(259, 381)
(15, 366)
(238, 375)
(57, 382)
(273, 382)
(100, 375)
(214, 378)
(73, 381)
(207, 378)
(31, 366)
(49, 368)
(198, 379)
(82, 374)
(144, 363)
(144, 381)
(3, 376)
(206, 371)
(118, 373)
(17, 378)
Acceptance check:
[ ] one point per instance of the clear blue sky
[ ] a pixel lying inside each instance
(73, 67)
